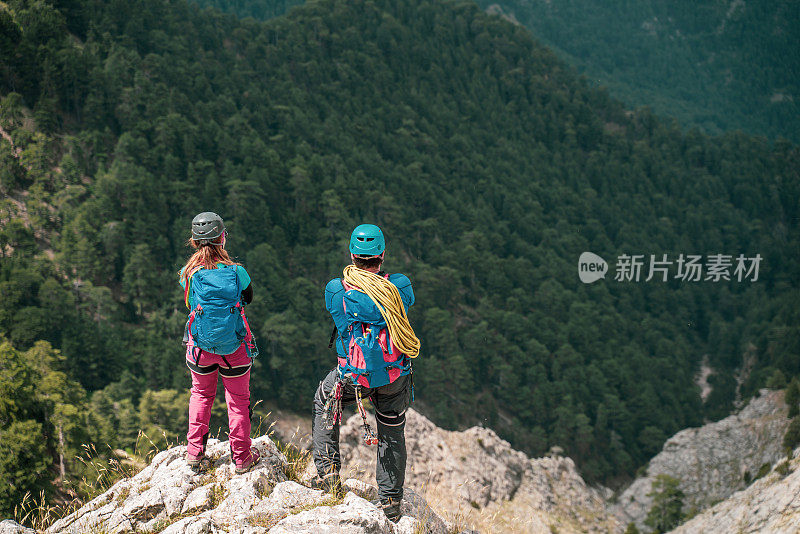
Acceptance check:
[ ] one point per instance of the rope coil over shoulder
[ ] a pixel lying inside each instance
(387, 298)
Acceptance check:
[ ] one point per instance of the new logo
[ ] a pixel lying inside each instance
(591, 267)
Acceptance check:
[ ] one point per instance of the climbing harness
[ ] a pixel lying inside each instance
(369, 435)
(387, 298)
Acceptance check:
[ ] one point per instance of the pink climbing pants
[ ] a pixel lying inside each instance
(235, 371)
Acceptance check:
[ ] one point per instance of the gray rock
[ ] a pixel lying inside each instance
(354, 516)
(198, 500)
(710, 461)
(220, 501)
(414, 507)
(362, 489)
(290, 495)
(481, 481)
(168, 487)
(192, 525)
(12, 527)
(770, 505)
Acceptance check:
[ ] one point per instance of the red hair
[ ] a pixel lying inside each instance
(206, 256)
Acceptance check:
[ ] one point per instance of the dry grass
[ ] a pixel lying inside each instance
(266, 521)
(101, 472)
(297, 458)
(37, 513)
(331, 499)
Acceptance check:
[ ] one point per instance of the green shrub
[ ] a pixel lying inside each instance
(792, 437)
(666, 512)
(783, 468)
(762, 471)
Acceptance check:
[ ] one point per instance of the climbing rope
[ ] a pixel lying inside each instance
(386, 296)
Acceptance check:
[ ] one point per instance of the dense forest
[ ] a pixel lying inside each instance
(490, 165)
(717, 65)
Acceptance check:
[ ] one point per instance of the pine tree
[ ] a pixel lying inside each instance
(792, 397)
(665, 514)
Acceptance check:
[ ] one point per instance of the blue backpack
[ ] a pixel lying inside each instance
(217, 323)
(371, 357)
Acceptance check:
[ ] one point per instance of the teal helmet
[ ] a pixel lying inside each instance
(367, 240)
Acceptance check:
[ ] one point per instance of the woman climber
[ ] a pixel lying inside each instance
(218, 340)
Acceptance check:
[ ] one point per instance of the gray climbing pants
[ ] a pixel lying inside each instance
(391, 402)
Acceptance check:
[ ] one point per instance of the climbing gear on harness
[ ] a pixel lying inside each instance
(367, 240)
(387, 298)
(369, 435)
(332, 412)
(206, 227)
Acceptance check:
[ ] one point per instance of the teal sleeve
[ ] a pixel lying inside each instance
(244, 278)
(180, 278)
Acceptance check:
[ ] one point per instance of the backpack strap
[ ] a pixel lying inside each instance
(333, 336)
(189, 338)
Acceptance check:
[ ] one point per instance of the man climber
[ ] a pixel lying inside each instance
(374, 344)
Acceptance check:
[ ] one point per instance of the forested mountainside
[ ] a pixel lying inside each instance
(717, 65)
(258, 9)
(489, 164)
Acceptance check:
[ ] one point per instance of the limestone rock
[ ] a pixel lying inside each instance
(354, 516)
(475, 479)
(199, 499)
(711, 461)
(169, 497)
(12, 527)
(771, 504)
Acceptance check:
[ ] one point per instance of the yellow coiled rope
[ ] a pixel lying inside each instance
(387, 298)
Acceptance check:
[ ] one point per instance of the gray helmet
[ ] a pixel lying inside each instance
(206, 227)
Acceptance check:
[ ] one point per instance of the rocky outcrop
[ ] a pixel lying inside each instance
(475, 479)
(12, 527)
(456, 481)
(715, 460)
(169, 497)
(771, 504)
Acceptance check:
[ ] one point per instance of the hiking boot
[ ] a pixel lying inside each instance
(198, 463)
(253, 460)
(329, 483)
(391, 508)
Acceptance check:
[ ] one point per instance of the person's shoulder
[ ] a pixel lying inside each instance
(334, 286)
(244, 276)
(400, 280)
